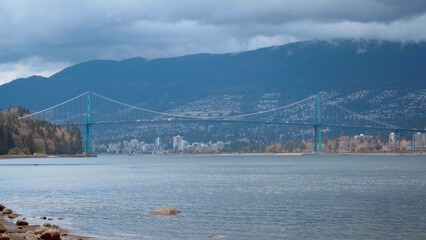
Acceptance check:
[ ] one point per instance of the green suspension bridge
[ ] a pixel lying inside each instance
(90, 109)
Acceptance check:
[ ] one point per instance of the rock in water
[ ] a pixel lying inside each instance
(13, 215)
(2, 228)
(165, 211)
(6, 211)
(21, 223)
(47, 225)
(2, 207)
(31, 236)
(51, 234)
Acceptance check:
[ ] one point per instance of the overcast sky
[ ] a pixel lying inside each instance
(43, 37)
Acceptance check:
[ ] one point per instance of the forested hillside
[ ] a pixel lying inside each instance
(295, 71)
(30, 136)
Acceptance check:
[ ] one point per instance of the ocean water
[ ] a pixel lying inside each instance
(235, 197)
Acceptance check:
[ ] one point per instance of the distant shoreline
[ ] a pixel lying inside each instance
(42, 156)
(268, 154)
(217, 154)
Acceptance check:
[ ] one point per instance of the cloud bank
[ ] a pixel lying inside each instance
(42, 37)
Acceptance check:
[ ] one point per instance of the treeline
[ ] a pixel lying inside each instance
(283, 147)
(29, 136)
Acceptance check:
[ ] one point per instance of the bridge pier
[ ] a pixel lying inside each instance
(317, 139)
(317, 125)
(89, 123)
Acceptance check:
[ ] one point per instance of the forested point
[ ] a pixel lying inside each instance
(35, 136)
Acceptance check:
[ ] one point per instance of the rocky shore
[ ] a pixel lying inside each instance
(47, 156)
(16, 227)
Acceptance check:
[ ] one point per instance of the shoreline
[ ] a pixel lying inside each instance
(46, 156)
(13, 231)
(272, 154)
(219, 154)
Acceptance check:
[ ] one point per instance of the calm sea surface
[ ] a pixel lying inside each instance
(237, 197)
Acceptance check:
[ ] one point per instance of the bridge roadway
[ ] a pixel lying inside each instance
(245, 121)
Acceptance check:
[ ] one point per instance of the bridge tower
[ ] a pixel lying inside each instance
(413, 141)
(89, 122)
(317, 125)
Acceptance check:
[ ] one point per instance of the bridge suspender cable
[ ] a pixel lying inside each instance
(357, 114)
(57, 105)
(205, 118)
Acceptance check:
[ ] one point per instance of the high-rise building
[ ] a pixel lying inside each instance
(177, 140)
(392, 137)
(183, 145)
(420, 139)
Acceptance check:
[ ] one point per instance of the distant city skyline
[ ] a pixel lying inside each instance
(43, 37)
(179, 144)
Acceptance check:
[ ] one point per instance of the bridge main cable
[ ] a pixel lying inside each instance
(50, 108)
(202, 118)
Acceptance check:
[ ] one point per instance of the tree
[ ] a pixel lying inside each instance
(30, 144)
(4, 148)
(46, 147)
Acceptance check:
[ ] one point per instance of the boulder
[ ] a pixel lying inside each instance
(2, 228)
(165, 211)
(40, 230)
(13, 215)
(44, 218)
(51, 234)
(6, 211)
(29, 235)
(21, 223)
(2, 207)
(4, 237)
(47, 225)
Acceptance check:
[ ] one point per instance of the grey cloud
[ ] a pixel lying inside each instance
(75, 31)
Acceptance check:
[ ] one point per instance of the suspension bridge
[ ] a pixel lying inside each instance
(90, 109)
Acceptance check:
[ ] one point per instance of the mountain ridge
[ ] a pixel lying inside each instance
(295, 70)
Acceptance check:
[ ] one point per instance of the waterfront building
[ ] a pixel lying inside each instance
(392, 137)
(362, 137)
(177, 140)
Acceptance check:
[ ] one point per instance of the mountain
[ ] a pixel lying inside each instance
(293, 70)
